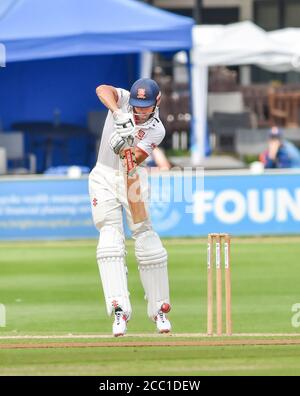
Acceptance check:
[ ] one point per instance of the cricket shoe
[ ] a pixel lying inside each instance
(162, 323)
(120, 323)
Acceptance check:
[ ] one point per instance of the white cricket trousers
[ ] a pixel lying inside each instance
(108, 197)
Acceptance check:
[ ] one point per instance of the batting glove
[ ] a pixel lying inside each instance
(124, 124)
(116, 142)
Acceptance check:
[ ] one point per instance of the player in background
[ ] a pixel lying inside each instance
(131, 115)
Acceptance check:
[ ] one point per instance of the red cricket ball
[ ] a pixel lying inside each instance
(165, 308)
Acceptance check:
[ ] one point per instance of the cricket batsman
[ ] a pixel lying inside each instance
(132, 123)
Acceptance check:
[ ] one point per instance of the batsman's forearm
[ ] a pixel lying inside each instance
(140, 155)
(108, 96)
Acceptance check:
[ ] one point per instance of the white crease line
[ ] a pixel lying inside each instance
(141, 335)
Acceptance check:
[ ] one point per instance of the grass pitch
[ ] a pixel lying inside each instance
(53, 289)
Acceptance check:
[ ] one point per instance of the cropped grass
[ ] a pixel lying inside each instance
(54, 288)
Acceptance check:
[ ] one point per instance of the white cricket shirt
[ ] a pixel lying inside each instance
(147, 137)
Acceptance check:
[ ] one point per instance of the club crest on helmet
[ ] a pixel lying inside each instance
(141, 93)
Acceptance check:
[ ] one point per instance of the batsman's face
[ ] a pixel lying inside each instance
(142, 114)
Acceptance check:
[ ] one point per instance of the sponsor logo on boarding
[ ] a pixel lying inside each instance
(231, 206)
(141, 93)
(164, 215)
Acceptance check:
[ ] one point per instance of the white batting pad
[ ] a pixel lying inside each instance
(112, 268)
(153, 259)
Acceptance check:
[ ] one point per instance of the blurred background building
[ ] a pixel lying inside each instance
(241, 98)
(268, 14)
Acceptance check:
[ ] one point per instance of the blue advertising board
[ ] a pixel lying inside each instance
(45, 209)
(180, 205)
(237, 204)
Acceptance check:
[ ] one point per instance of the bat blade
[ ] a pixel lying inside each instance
(134, 196)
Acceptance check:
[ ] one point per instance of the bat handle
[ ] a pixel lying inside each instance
(130, 140)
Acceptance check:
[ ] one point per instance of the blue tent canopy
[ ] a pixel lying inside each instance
(35, 29)
(58, 51)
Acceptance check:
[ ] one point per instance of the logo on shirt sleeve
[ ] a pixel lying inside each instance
(153, 146)
(140, 135)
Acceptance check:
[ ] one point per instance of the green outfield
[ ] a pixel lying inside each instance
(53, 289)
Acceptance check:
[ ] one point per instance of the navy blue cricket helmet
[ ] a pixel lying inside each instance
(144, 93)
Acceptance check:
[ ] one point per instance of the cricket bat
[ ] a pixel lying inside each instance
(132, 180)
